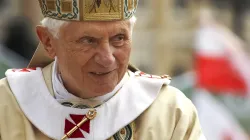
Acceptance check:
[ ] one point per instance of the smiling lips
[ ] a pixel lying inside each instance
(101, 73)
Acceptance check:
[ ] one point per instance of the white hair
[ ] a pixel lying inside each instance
(54, 25)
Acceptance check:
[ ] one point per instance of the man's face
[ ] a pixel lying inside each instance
(93, 56)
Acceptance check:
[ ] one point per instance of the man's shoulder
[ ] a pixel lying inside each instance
(168, 96)
(4, 85)
(174, 99)
(6, 96)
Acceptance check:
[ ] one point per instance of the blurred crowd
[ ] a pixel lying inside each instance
(217, 79)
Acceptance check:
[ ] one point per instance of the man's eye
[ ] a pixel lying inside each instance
(87, 40)
(119, 38)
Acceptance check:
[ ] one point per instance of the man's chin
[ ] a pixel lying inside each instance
(103, 91)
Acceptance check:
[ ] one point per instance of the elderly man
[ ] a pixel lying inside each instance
(80, 86)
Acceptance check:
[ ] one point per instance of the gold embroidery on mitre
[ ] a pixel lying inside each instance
(103, 9)
(66, 6)
(51, 5)
(81, 10)
(88, 10)
(130, 5)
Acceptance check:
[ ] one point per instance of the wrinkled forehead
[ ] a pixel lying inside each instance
(96, 27)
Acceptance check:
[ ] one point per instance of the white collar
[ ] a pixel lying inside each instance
(62, 95)
(45, 113)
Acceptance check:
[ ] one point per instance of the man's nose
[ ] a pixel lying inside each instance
(105, 55)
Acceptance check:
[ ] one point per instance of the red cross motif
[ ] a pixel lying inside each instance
(77, 119)
(24, 70)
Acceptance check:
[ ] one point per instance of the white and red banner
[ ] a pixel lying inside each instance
(221, 67)
(221, 64)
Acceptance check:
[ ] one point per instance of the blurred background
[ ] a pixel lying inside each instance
(202, 44)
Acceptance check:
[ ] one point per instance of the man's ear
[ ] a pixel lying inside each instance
(45, 38)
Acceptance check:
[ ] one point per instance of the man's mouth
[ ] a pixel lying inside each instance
(100, 73)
